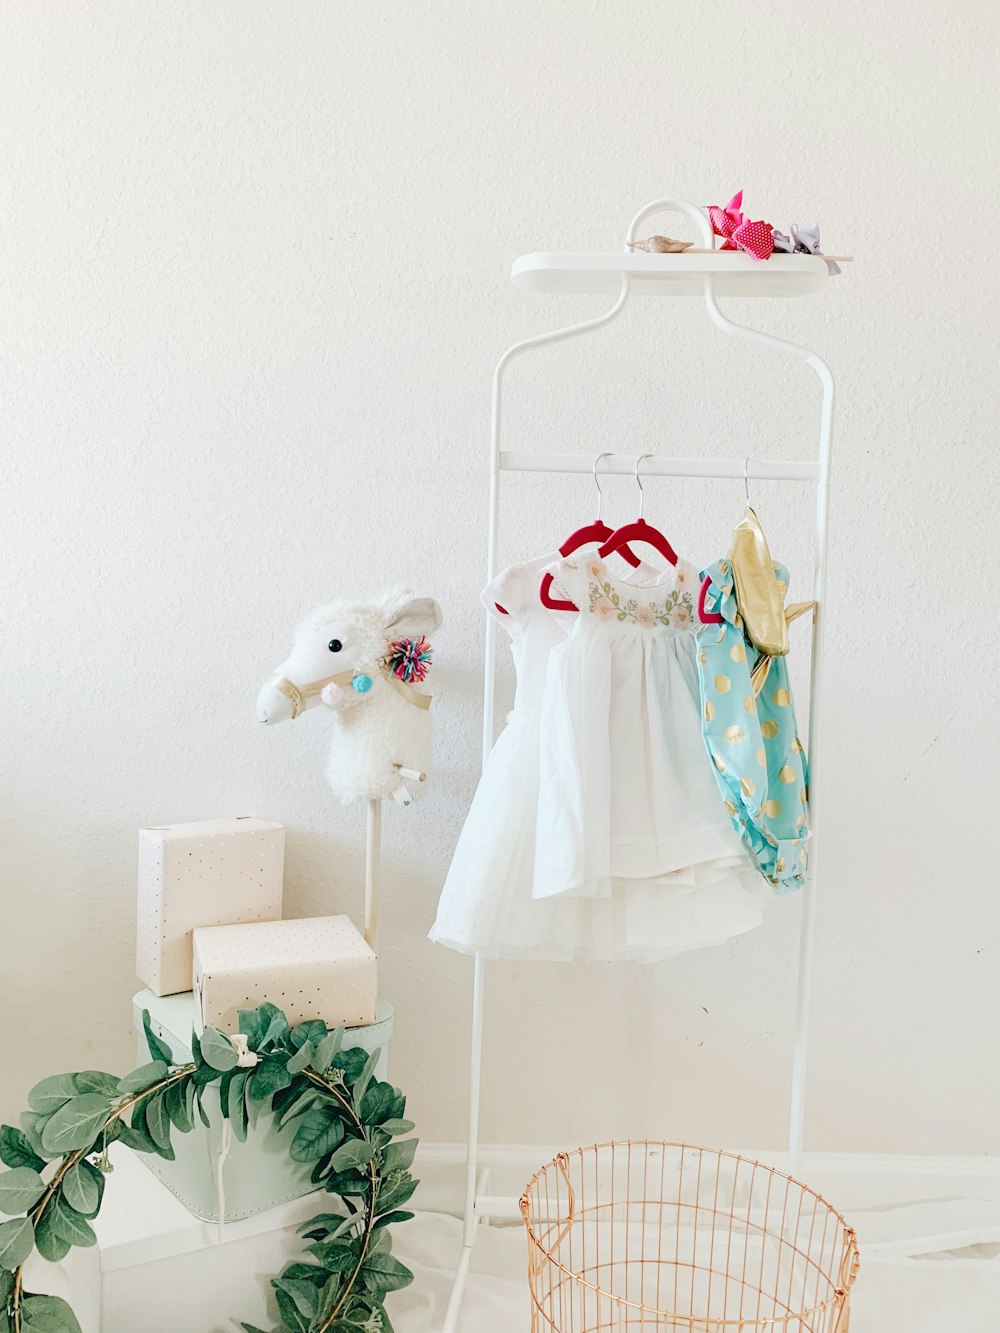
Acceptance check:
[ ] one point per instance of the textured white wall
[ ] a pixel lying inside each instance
(253, 280)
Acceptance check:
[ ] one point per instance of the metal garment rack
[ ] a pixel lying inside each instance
(707, 274)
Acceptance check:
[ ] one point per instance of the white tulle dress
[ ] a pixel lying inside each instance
(629, 812)
(533, 875)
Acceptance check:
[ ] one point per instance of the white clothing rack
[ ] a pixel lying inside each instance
(707, 275)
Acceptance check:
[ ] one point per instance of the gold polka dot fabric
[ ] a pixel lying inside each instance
(758, 758)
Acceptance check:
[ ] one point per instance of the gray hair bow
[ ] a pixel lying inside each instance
(803, 241)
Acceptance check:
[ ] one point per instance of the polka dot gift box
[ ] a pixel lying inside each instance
(213, 872)
(318, 967)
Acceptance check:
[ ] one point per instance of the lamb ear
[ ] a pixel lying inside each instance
(416, 616)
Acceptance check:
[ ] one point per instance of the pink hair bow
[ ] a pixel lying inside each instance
(739, 232)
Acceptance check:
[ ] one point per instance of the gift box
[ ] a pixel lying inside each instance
(317, 967)
(255, 1175)
(213, 872)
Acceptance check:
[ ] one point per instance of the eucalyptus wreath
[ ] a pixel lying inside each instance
(346, 1121)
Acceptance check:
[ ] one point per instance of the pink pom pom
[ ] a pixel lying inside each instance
(331, 693)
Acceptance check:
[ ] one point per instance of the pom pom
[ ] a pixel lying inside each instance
(331, 693)
(409, 659)
(361, 684)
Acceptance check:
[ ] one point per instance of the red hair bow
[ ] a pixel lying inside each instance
(739, 232)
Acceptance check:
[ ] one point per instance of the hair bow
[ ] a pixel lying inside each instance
(803, 241)
(739, 232)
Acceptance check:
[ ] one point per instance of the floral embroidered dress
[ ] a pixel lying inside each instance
(628, 806)
(753, 740)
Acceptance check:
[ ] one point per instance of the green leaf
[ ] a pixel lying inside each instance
(304, 1294)
(76, 1124)
(327, 1225)
(390, 1219)
(217, 1050)
(301, 1059)
(51, 1093)
(335, 1256)
(399, 1156)
(377, 1103)
(361, 1086)
(236, 1104)
(318, 1134)
(15, 1150)
(135, 1137)
(157, 1120)
(20, 1190)
(48, 1314)
(16, 1242)
(175, 1101)
(269, 1077)
(274, 1023)
(32, 1124)
(252, 1328)
(144, 1077)
(158, 1050)
(351, 1155)
(327, 1049)
(80, 1190)
(289, 1312)
(398, 1194)
(382, 1273)
(49, 1245)
(175, 1105)
(313, 1029)
(397, 1126)
(304, 1101)
(350, 1063)
(95, 1080)
(252, 1027)
(68, 1223)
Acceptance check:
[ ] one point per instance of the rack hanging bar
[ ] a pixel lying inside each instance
(621, 465)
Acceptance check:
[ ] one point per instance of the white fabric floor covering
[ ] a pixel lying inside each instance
(926, 1267)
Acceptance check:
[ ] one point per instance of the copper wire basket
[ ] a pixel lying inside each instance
(634, 1236)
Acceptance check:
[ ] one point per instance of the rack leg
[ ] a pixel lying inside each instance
(475, 1083)
(373, 860)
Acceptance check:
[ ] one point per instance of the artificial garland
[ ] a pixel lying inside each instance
(346, 1118)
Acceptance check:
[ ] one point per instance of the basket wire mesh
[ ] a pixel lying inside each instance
(635, 1236)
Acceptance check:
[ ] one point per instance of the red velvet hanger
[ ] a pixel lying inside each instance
(598, 531)
(640, 530)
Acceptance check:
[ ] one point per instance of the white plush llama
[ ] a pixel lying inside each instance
(341, 658)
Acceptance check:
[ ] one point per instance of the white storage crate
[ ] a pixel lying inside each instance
(257, 1174)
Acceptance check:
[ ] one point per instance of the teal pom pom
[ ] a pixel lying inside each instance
(361, 684)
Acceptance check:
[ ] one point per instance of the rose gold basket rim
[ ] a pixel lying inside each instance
(840, 1293)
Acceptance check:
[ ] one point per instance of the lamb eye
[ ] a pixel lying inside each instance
(335, 645)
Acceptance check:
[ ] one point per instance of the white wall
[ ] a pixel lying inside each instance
(253, 280)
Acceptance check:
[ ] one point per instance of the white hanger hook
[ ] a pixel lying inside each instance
(600, 494)
(642, 493)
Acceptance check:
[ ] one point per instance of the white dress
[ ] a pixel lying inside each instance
(487, 904)
(628, 805)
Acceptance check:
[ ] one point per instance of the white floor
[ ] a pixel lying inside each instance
(929, 1234)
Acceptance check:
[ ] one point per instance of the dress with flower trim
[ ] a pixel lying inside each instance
(486, 905)
(628, 808)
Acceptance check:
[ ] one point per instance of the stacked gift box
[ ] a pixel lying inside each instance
(211, 941)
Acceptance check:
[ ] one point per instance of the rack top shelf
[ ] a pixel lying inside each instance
(669, 275)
